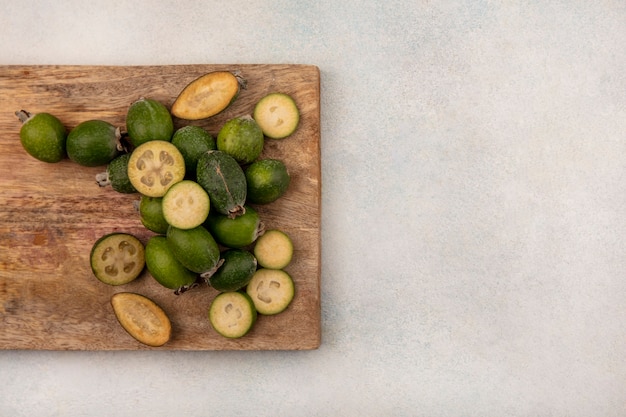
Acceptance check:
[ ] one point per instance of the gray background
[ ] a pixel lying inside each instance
(473, 157)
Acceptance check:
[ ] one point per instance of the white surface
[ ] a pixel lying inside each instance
(474, 188)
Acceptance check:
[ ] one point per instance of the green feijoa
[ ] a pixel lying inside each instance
(116, 175)
(241, 138)
(238, 232)
(192, 141)
(165, 268)
(236, 271)
(151, 214)
(267, 180)
(93, 143)
(195, 249)
(225, 182)
(148, 119)
(43, 136)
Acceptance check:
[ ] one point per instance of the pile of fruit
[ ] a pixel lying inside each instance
(196, 195)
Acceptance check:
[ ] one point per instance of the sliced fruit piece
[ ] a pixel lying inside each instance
(277, 115)
(271, 290)
(93, 143)
(142, 318)
(238, 232)
(117, 258)
(207, 95)
(232, 314)
(165, 268)
(148, 119)
(186, 205)
(195, 249)
(116, 175)
(225, 182)
(235, 272)
(154, 167)
(273, 250)
(267, 180)
(241, 138)
(193, 141)
(43, 136)
(151, 214)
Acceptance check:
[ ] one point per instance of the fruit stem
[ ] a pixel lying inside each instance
(208, 274)
(243, 83)
(23, 115)
(103, 179)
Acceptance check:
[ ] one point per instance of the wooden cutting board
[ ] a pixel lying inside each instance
(51, 214)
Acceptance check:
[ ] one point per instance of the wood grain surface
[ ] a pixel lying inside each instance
(51, 214)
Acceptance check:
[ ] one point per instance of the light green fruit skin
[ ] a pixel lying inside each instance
(236, 271)
(118, 175)
(93, 143)
(193, 141)
(147, 120)
(238, 232)
(151, 214)
(194, 248)
(165, 268)
(241, 138)
(43, 137)
(267, 180)
(224, 180)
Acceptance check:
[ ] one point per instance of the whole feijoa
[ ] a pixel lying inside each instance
(267, 180)
(148, 119)
(241, 138)
(93, 143)
(192, 141)
(42, 135)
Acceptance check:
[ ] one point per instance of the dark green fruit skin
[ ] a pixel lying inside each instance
(267, 180)
(43, 136)
(241, 138)
(93, 143)
(161, 266)
(193, 141)
(236, 272)
(151, 214)
(225, 182)
(148, 119)
(238, 232)
(118, 175)
(194, 248)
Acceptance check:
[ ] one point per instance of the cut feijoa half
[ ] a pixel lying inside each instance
(232, 314)
(117, 258)
(274, 249)
(207, 95)
(271, 290)
(154, 167)
(142, 318)
(186, 205)
(277, 115)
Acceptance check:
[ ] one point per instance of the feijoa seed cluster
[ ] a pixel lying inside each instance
(197, 196)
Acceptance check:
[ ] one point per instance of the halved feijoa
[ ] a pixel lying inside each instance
(195, 249)
(186, 205)
(207, 95)
(148, 119)
(232, 314)
(93, 143)
(155, 166)
(225, 182)
(267, 180)
(277, 115)
(142, 318)
(165, 268)
(151, 214)
(42, 135)
(116, 175)
(274, 249)
(271, 290)
(235, 272)
(238, 232)
(241, 138)
(193, 141)
(117, 258)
